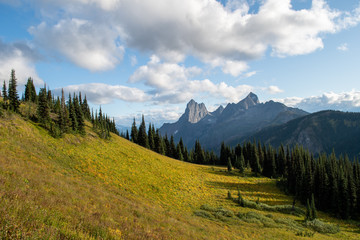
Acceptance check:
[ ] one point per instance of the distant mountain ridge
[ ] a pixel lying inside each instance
(225, 124)
(319, 132)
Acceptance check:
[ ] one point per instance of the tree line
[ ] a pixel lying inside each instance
(331, 183)
(56, 114)
(152, 139)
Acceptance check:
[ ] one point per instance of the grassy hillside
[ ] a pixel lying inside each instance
(84, 187)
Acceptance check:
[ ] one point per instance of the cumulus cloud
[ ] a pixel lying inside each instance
(345, 101)
(157, 116)
(273, 90)
(83, 42)
(249, 74)
(99, 93)
(343, 47)
(173, 83)
(235, 68)
(22, 58)
(205, 29)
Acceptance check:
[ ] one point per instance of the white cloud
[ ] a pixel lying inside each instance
(172, 83)
(133, 60)
(345, 101)
(157, 116)
(235, 68)
(249, 74)
(343, 47)
(22, 58)
(83, 42)
(175, 29)
(99, 93)
(274, 90)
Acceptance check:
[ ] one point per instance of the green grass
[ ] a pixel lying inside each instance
(84, 187)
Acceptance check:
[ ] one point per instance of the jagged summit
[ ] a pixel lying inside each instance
(250, 101)
(194, 112)
(227, 124)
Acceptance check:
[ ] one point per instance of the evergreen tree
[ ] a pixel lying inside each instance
(179, 154)
(127, 135)
(4, 94)
(72, 114)
(151, 138)
(240, 199)
(79, 116)
(134, 132)
(142, 136)
(43, 109)
(30, 91)
(308, 211)
(313, 209)
(172, 151)
(229, 166)
(13, 96)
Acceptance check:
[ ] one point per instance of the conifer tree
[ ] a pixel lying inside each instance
(134, 132)
(313, 209)
(43, 109)
(4, 95)
(13, 96)
(151, 138)
(142, 136)
(79, 116)
(127, 135)
(179, 154)
(229, 165)
(308, 211)
(30, 91)
(72, 114)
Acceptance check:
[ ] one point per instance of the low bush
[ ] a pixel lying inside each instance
(322, 227)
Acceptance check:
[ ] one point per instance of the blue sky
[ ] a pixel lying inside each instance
(151, 57)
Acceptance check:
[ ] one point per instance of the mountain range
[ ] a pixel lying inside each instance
(319, 132)
(235, 121)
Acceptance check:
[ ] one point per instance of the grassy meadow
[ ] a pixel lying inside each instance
(84, 187)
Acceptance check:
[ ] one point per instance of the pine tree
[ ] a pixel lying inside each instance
(229, 165)
(151, 138)
(240, 199)
(4, 95)
(313, 209)
(134, 132)
(179, 154)
(13, 96)
(43, 109)
(142, 136)
(308, 211)
(72, 114)
(127, 135)
(30, 91)
(79, 116)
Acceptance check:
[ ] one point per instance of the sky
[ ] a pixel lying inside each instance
(151, 57)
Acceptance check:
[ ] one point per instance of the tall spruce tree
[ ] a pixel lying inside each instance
(142, 136)
(4, 95)
(43, 109)
(313, 209)
(13, 96)
(30, 91)
(134, 132)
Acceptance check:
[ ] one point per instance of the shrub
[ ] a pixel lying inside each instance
(204, 214)
(322, 227)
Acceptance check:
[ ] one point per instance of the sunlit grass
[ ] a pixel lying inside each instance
(86, 187)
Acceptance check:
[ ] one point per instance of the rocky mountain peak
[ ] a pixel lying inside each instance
(250, 101)
(194, 112)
